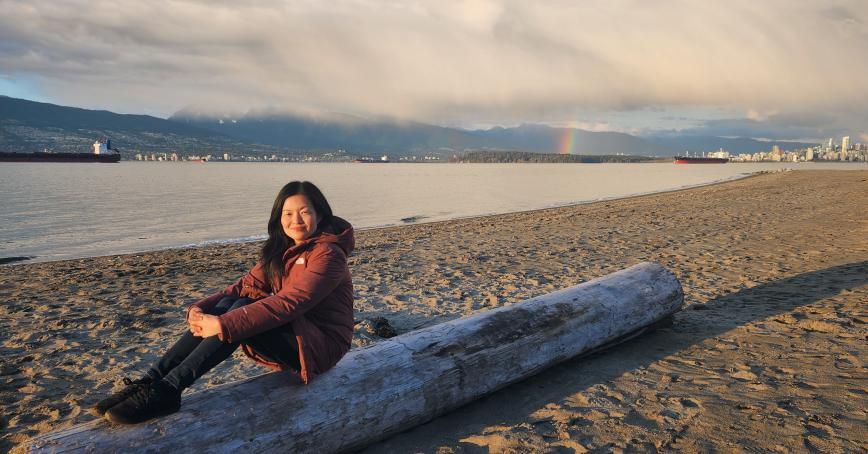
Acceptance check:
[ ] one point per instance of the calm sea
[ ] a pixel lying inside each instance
(54, 211)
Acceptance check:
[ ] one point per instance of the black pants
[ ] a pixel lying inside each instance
(191, 356)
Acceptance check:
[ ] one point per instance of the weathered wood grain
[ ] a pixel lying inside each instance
(397, 383)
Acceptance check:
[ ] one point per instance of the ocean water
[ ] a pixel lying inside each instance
(55, 211)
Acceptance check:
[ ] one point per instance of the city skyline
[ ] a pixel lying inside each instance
(829, 150)
(773, 71)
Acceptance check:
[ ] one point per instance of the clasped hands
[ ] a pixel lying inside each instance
(202, 324)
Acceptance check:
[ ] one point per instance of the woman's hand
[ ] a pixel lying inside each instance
(203, 325)
(194, 313)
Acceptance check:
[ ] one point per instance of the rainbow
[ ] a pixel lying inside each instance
(567, 141)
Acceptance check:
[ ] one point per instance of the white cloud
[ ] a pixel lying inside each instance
(474, 61)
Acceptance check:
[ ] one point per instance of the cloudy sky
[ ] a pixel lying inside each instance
(768, 69)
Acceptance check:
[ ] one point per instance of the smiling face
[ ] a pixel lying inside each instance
(299, 218)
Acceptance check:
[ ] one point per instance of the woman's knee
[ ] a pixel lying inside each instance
(228, 303)
(240, 302)
(224, 304)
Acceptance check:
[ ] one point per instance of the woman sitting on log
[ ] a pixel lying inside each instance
(293, 311)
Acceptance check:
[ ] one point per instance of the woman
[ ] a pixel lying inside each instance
(293, 311)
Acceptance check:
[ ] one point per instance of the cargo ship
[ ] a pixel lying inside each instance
(102, 152)
(698, 160)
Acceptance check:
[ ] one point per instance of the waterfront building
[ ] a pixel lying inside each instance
(776, 153)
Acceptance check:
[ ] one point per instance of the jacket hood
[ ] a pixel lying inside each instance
(339, 232)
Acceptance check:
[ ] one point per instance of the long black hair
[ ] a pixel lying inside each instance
(278, 241)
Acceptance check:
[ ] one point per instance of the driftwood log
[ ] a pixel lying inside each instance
(398, 383)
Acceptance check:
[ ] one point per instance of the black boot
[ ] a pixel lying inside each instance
(131, 386)
(148, 402)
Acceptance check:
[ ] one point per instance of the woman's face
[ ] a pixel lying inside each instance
(299, 219)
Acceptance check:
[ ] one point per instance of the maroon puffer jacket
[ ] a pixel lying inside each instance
(315, 296)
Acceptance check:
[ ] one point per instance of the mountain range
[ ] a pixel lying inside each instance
(31, 126)
(27, 126)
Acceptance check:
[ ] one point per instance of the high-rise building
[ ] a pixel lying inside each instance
(830, 145)
(776, 153)
(845, 143)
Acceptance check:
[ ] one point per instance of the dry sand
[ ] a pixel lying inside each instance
(767, 356)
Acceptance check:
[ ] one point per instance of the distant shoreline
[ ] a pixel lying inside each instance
(524, 157)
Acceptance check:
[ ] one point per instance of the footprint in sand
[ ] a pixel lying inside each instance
(820, 433)
(393, 301)
(818, 326)
(681, 408)
(847, 361)
(646, 420)
(757, 386)
(578, 401)
(744, 375)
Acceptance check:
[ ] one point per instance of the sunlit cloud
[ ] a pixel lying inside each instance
(480, 61)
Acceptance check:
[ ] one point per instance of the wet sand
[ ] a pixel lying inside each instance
(768, 354)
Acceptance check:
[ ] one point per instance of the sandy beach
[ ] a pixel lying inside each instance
(767, 356)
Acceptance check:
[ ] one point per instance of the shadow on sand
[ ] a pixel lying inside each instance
(691, 326)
